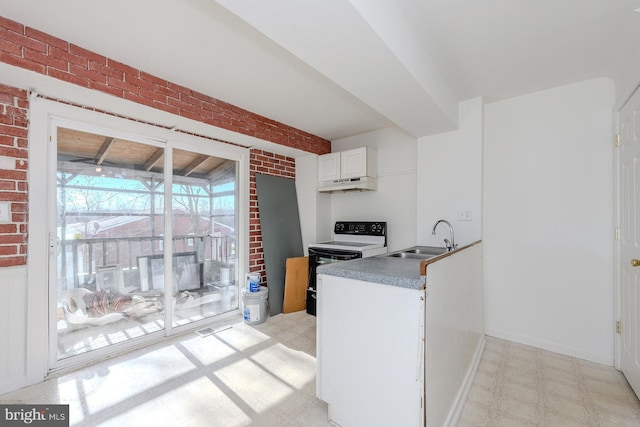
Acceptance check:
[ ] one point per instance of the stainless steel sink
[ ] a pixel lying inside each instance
(426, 250)
(410, 255)
(419, 252)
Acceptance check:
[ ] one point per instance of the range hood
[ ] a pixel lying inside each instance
(349, 184)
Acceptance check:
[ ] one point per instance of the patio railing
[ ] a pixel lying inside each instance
(78, 259)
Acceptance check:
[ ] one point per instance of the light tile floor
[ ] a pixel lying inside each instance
(517, 385)
(248, 375)
(264, 375)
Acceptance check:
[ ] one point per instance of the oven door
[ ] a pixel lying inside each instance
(321, 256)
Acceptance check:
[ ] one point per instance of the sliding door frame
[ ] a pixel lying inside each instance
(45, 117)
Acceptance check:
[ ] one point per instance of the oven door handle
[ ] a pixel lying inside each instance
(320, 253)
(319, 263)
(328, 253)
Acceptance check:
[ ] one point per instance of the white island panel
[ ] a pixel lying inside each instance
(370, 352)
(455, 332)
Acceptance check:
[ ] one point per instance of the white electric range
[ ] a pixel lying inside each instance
(351, 240)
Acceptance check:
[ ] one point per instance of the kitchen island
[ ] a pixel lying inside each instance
(399, 339)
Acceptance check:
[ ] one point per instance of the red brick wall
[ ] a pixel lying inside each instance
(269, 164)
(34, 50)
(42, 53)
(14, 105)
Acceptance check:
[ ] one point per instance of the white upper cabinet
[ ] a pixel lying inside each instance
(329, 167)
(355, 163)
(355, 169)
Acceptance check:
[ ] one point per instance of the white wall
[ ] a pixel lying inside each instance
(395, 199)
(13, 317)
(548, 219)
(450, 179)
(314, 207)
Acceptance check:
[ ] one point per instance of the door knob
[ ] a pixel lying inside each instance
(635, 262)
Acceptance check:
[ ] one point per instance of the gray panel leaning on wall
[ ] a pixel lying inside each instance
(281, 236)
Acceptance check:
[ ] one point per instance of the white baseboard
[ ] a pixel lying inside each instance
(605, 359)
(465, 387)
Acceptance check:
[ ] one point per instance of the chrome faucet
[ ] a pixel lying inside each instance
(450, 244)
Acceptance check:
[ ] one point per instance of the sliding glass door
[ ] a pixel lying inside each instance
(146, 240)
(203, 211)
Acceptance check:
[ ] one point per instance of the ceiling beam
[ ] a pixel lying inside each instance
(367, 49)
(104, 150)
(194, 164)
(224, 172)
(151, 161)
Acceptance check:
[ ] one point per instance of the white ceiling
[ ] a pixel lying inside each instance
(337, 68)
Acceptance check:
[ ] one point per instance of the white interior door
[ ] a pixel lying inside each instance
(628, 193)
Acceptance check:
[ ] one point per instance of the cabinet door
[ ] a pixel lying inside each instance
(329, 167)
(354, 163)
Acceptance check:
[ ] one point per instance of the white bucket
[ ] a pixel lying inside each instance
(252, 282)
(254, 306)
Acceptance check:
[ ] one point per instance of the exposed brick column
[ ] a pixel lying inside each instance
(14, 104)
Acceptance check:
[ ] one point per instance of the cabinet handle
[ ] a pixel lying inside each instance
(635, 262)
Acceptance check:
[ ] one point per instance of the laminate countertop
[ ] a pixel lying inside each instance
(387, 270)
(401, 272)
